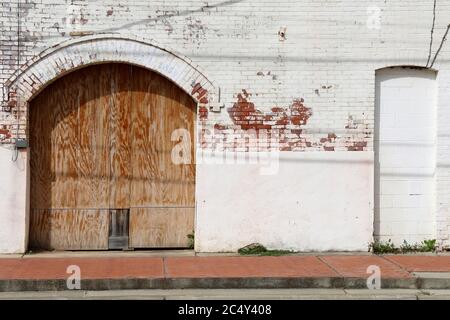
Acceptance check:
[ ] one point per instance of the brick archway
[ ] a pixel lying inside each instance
(73, 54)
(57, 61)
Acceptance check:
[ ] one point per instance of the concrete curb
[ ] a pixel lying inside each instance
(224, 283)
(255, 283)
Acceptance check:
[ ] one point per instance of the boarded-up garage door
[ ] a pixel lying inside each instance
(101, 139)
(405, 154)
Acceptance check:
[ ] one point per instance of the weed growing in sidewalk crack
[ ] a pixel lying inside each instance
(384, 247)
(191, 240)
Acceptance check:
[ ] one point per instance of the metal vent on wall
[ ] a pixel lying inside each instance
(118, 228)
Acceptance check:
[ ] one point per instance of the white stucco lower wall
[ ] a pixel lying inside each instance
(301, 201)
(314, 201)
(13, 202)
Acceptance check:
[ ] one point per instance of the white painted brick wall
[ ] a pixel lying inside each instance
(328, 57)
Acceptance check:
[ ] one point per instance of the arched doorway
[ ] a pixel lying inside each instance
(405, 154)
(101, 161)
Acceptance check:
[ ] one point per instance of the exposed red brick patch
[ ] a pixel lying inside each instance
(203, 113)
(5, 134)
(281, 125)
(331, 138)
(218, 126)
(357, 146)
(299, 114)
(277, 109)
(245, 114)
(198, 90)
(201, 94)
(11, 102)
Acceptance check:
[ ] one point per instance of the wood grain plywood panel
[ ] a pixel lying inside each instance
(40, 153)
(64, 104)
(160, 227)
(178, 116)
(94, 138)
(69, 142)
(102, 137)
(120, 136)
(160, 111)
(69, 229)
(143, 159)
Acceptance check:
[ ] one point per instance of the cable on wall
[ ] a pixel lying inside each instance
(15, 155)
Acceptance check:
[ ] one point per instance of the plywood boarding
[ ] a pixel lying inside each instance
(64, 104)
(160, 227)
(162, 117)
(67, 229)
(101, 137)
(69, 142)
(121, 138)
(40, 154)
(94, 137)
(159, 111)
(70, 170)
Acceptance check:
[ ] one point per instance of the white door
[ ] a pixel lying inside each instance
(405, 148)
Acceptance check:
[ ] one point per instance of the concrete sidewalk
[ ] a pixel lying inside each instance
(141, 271)
(232, 294)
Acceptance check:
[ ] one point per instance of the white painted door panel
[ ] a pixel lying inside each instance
(405, 147)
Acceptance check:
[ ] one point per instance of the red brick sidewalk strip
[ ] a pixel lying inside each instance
(91, 268)
(422, 263)
(302, 271)
(238, 267)
(356, 266)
